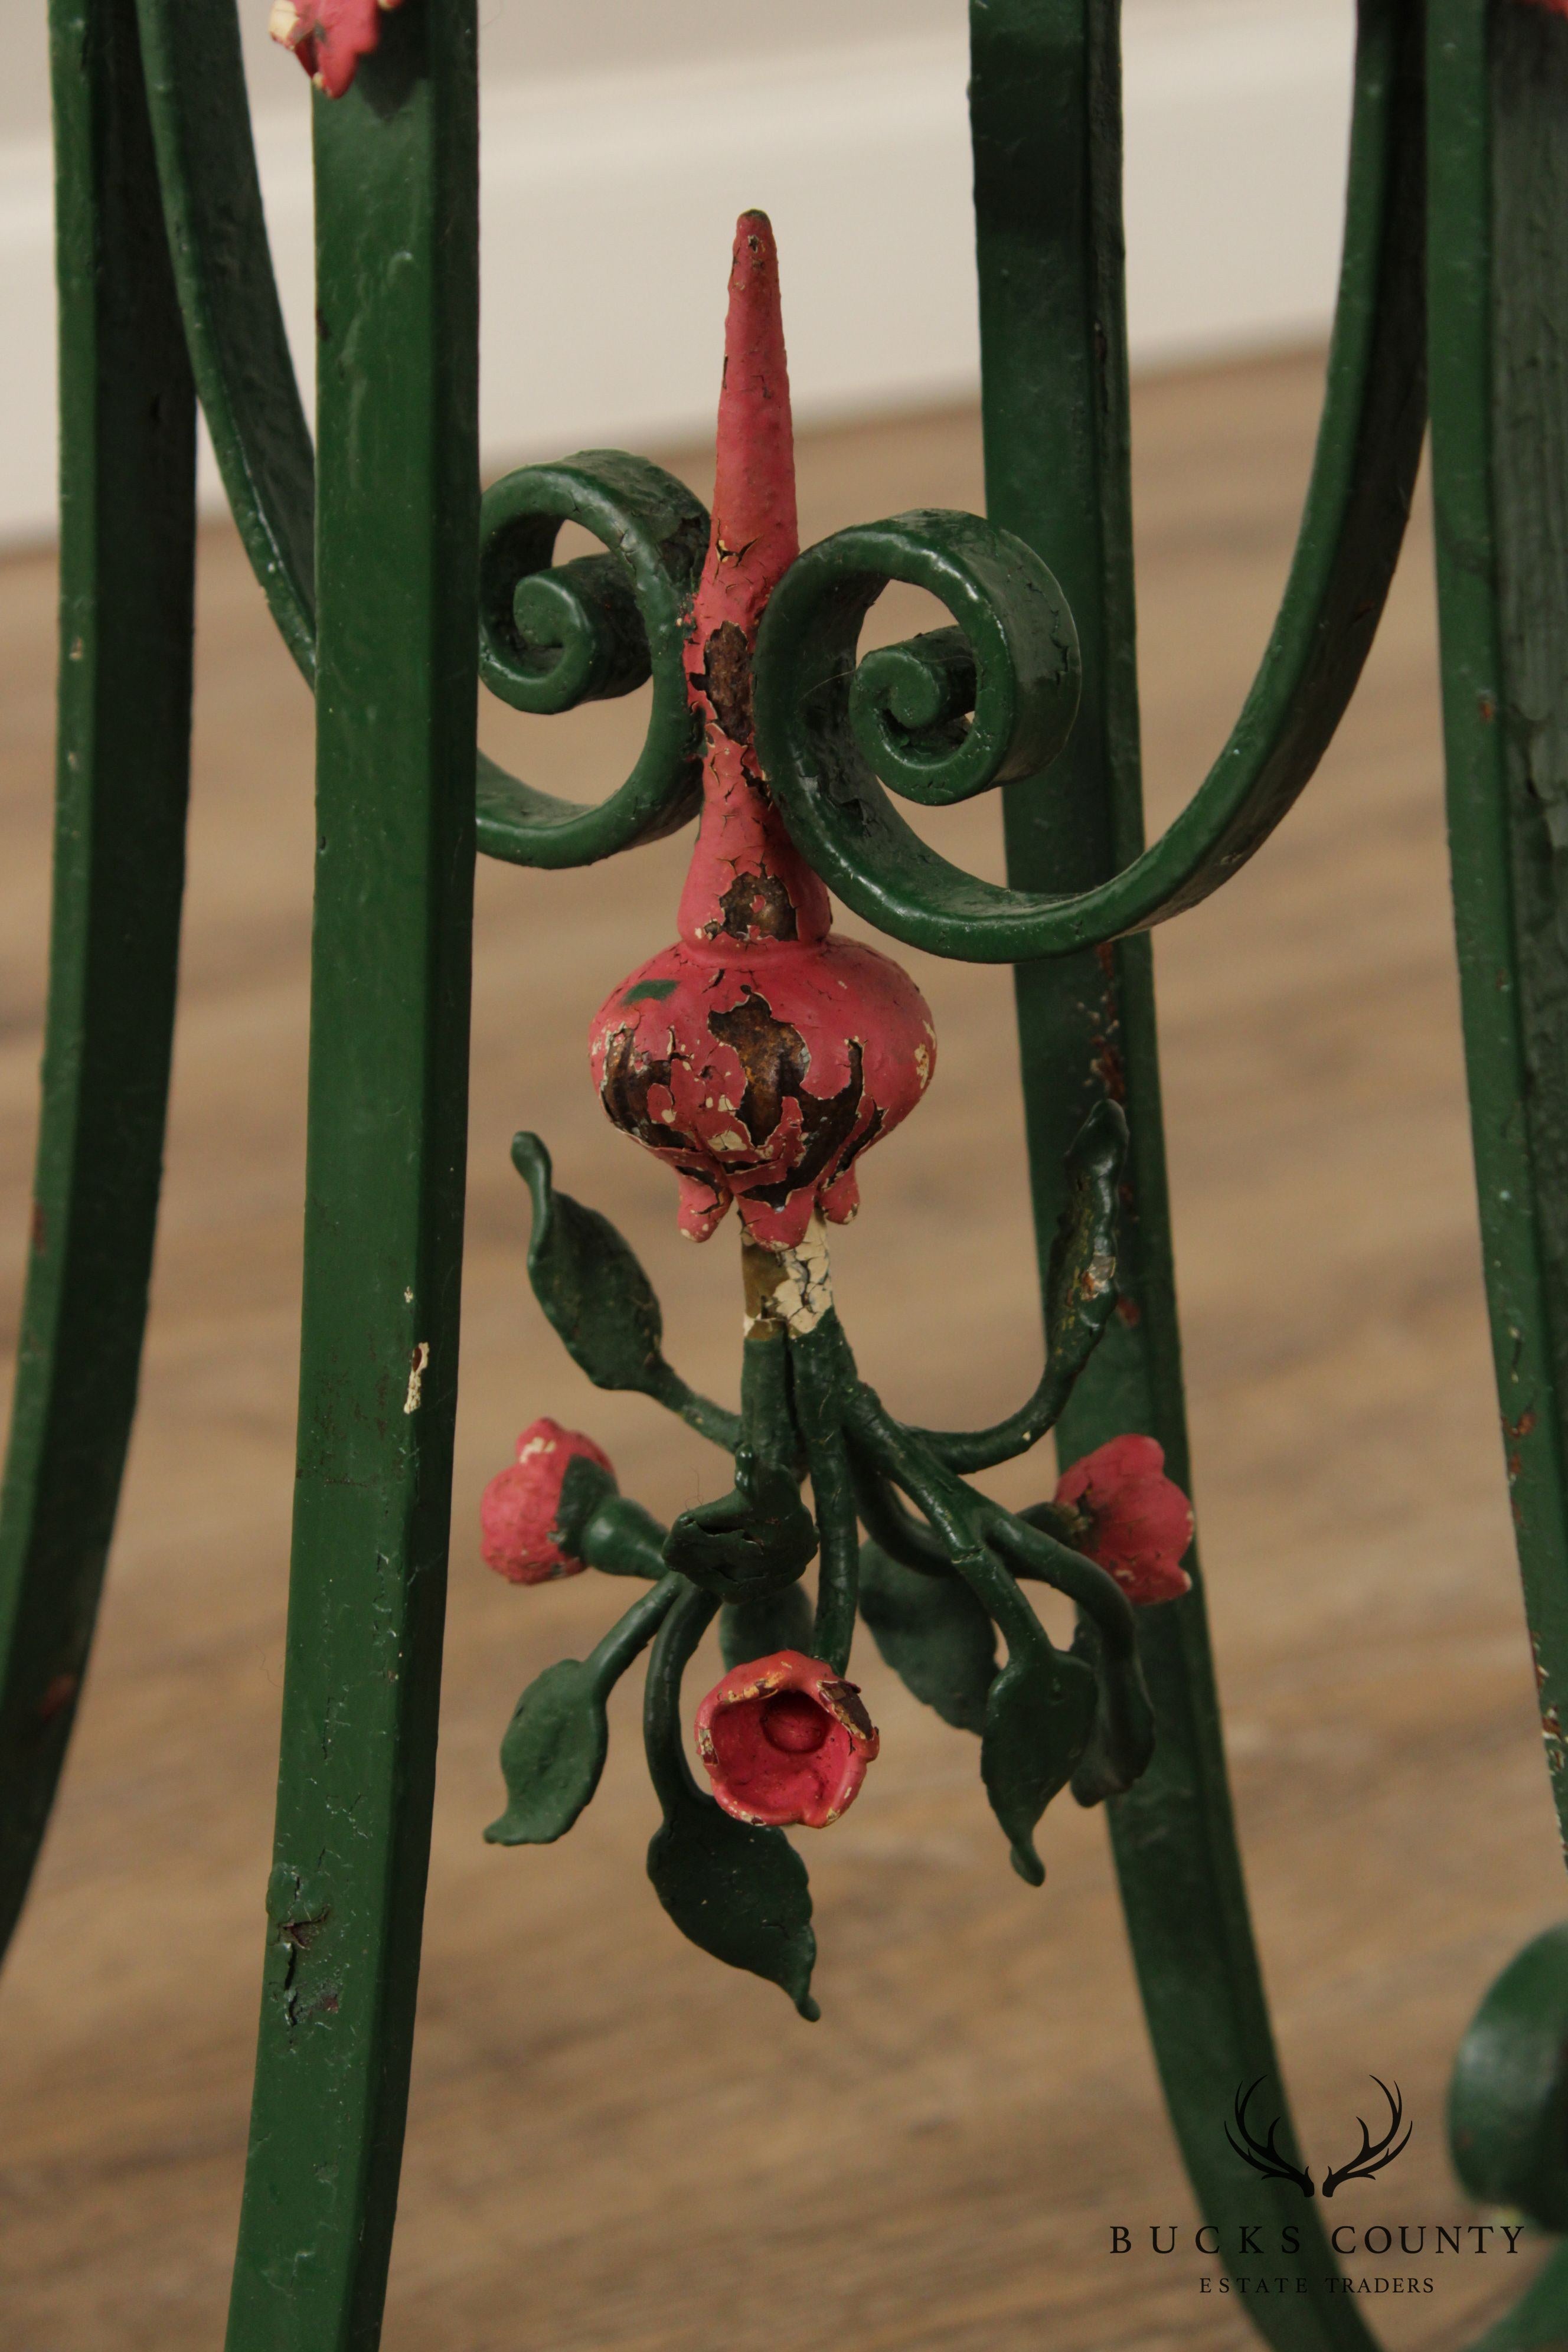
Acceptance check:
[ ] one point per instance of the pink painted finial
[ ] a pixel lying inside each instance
(747, 882)
(758, 1057)
(755, 534)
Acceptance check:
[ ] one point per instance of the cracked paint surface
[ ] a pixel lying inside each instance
(757, 1057)
(793, 1287)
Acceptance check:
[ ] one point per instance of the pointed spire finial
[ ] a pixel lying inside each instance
(758, 1057)
(755, 534)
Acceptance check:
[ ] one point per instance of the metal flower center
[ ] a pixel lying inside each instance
(795, 1723)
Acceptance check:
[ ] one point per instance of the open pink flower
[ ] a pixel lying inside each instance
(522, 1505)
(785, 1740)
(328, 37)
(1139, 1522)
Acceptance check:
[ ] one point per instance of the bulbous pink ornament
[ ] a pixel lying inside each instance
(1139, 1522)
(757, 1057)
(518, 1511)
(785, 1741)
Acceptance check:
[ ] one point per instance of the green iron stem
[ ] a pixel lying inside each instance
(889, 1523)
(816, 1362)
(664, 1734)
(957, 1516)
(768, 1429)
(1032, 1552)
(628, 1638)
(622, 1538)
(714, 1422)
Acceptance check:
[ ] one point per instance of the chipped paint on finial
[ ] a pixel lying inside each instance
(748, 882)
(758, 1057)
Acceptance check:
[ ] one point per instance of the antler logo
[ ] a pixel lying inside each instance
(1268, 2159)
(1371, 2156)
(1263, 2156)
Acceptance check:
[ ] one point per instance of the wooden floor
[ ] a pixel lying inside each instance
(616, 2145)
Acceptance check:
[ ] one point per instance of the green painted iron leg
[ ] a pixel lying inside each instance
(127, 483)
(1499, 414)
(1045, 107)
(396, 568)
(1498, 290)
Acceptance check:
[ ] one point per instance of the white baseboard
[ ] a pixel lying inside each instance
(609, 202)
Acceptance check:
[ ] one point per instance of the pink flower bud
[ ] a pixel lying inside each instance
(1139, 1522)
(328, 37)
(785, 1740)
(522, 1505)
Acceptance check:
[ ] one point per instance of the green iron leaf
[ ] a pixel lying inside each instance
(555, 1745)
(590, 1283)
(753, 1541)
(739, 1893)
(552, 1755)
(934, 1634)
(1080, 1284)
(1121, 1745)
(755, 1629)
(1039, 1718)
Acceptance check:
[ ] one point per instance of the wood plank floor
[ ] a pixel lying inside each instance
(616, 2145)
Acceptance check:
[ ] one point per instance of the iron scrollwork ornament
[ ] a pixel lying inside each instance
(759, 1058)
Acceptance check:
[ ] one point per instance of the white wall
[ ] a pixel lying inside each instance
(621, 137)
(524, 40)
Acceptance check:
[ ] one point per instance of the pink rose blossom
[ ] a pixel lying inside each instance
(785, 1740)
(522, 1504)
(1139, 1522)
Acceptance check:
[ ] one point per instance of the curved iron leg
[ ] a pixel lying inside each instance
(127, 552)
(397, 534)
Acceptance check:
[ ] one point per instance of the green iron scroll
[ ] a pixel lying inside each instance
(396, 592)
